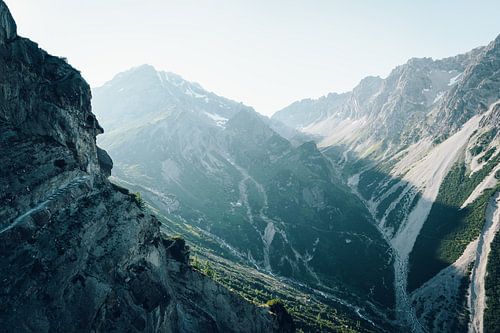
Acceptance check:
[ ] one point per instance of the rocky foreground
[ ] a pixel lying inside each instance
(78, 253)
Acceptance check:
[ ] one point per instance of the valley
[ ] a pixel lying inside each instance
(379, 188)
(149, 203)
(427, 186)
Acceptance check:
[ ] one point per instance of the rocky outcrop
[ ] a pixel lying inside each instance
(8, 28)
(478, 88)
(79, 254)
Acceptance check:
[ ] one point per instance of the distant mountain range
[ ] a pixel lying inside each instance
(385, 196)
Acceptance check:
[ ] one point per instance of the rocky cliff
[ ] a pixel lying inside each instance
(77, 253)
(421, 98)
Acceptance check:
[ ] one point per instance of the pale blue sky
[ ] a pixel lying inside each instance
(265, 54)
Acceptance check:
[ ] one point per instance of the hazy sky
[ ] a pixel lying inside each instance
(265, 54)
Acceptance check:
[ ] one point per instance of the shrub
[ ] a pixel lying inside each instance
(274, 303)
(138, 200)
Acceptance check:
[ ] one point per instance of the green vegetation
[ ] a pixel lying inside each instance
(375, 181)
(325, 221)
(205, 268)
(137, 197)
(327, 213)
(440, 139)
(492, 286)
(274, 302)
(483, 141)
(448, 229)
(402, 208)
(384, 204)
(370, 180)
(487, 155)
(310, 312)
(277, 307)
(320, 215)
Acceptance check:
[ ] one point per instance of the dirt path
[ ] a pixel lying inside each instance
(44, 204)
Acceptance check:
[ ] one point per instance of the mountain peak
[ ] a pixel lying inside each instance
(139, 72)
(152, 75)
(8, 28)
(143, 68)
(494, 43)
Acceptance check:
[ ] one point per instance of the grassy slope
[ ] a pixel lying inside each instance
(448, 229)
(311, 311)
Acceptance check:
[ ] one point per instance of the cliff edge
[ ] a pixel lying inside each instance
(79, 254)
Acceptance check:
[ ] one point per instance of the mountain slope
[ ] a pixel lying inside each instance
(420, 148)
(312, 309)
(273, 204)
(78, 253)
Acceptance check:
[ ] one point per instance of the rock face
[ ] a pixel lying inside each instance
(8, 28)
(77, 253)
(423, 97)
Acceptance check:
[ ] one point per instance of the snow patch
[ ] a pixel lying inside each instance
(219, 120)
(454, 79)
(438, 97)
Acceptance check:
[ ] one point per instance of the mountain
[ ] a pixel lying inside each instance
(78, 253)
(392, 111)
(420, 149)
(264, 201)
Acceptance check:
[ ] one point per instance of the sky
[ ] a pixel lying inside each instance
(264, 53)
